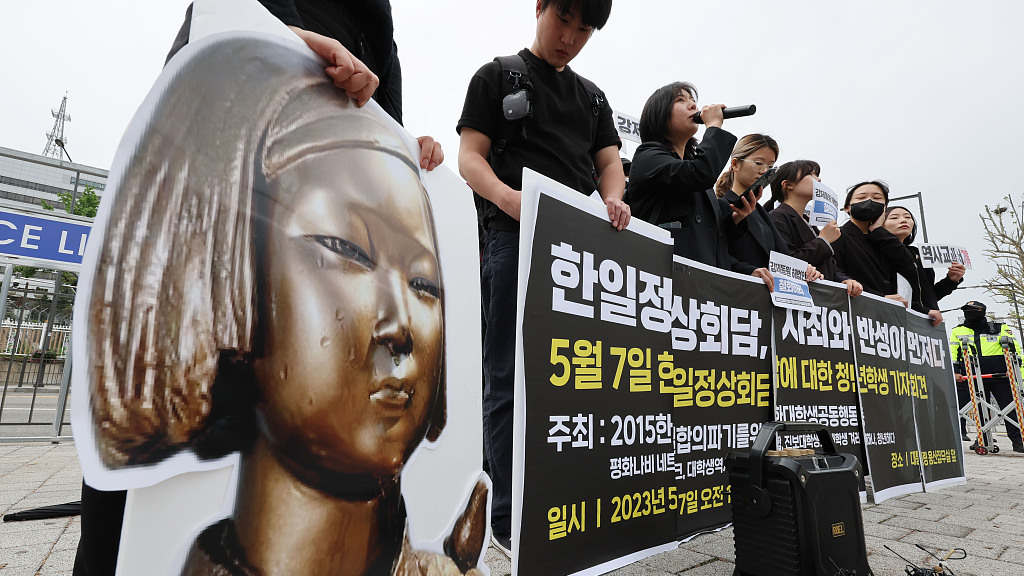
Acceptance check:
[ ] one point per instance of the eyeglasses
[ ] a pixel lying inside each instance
(758, 164)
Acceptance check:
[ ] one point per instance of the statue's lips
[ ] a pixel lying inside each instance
(392, 394)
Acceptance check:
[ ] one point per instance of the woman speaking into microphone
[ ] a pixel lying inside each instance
(672, 178)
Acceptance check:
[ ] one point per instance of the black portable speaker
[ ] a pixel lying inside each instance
(796, 514)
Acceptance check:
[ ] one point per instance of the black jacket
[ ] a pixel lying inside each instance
(761, 237)
(874, 259)
(664, 188)
(365, 27)
(804, 243)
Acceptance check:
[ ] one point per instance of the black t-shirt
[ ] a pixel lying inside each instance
(364, 27)
(560, 139)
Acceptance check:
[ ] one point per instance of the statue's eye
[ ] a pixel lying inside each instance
(424, 286)
(344, 248)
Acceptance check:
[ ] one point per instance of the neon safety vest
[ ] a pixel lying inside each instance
(991, 350)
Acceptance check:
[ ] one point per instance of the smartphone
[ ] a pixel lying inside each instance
(763, 181)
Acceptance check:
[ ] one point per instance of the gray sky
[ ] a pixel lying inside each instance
(925, 95)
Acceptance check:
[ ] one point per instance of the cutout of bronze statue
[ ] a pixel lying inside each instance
(269, 284)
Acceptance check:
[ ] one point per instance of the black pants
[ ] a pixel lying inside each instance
(499, 280)
(102, 517)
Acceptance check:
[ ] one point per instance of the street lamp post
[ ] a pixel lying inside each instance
(920, 205)
(60, 143)
(78, 176)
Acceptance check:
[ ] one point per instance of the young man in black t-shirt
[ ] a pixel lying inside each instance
(562, 140)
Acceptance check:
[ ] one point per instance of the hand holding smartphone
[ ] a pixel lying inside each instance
(763, 181)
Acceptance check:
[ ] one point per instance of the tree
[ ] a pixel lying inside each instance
(25, 271)
(87, 205)
(1004, 233)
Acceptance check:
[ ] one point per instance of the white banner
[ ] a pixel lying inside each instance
(942, 255)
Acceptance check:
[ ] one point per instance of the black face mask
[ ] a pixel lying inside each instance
(974, 317)
(866, 211)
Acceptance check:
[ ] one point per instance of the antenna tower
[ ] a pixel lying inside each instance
(55, 139)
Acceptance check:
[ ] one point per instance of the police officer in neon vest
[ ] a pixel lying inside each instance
(985, 337)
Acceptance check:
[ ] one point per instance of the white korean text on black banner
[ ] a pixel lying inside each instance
(815, 371)
(641, 372)
(887, 396)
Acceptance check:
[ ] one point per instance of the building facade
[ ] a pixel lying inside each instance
(33, 179)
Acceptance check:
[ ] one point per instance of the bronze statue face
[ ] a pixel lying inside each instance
(352, 361)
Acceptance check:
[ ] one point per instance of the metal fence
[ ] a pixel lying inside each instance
(35, 364)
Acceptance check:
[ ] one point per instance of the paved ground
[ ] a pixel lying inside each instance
(34, 475)
(985, 517)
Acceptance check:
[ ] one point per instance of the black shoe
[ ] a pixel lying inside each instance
(1019, 447)
(974, 446)
(965, 437)
(503, 542)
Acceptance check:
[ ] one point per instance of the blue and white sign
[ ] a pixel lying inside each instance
(44, 241)
(790, 282)
(824, 207)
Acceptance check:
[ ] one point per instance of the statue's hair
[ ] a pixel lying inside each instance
(176, 296)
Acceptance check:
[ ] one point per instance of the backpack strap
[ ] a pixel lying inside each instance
(515, 76)
(593, 94)
(596, 105)
(596, 102)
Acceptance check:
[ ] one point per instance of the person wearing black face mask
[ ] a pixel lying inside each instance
(986, 338)
(872, 255)
(867, 210)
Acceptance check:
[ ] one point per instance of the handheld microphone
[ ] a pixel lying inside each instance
(731, 112)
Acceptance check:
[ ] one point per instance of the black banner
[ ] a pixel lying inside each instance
(886, 396)
(816, 373)
(721, 373)
(641, 373)
(600, 460)
(936, 406)
(640, 380)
